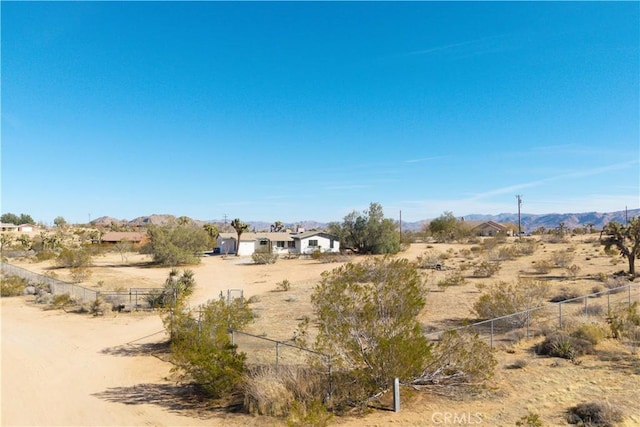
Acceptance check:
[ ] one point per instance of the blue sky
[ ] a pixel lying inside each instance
(308, 111)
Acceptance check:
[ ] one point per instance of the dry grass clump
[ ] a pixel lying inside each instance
(594, 414)
(273, 391)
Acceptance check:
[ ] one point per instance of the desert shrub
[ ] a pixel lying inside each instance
(543, 266)
(486, 269)
(310, 414)
(13, 286)
(80, 274)
(282, 391)
(459, 359)
(572, 271)
(45, 255)
(562, 259)
(508, 252)
(530, 420)
(367, 319)
(565, 294)
(563, 345)
(201, 348)
(624, 322)
(526, 246)
(452, 279)
(429, 259)
(589, 332)
(504, 298)
(62, 301)
(264, 258)
(328, 257)
(173, 245)
(615, 283)
(284, 285)
(594, 414)
(75, 257)
(99, 306)
(596, 289)
(593, 310)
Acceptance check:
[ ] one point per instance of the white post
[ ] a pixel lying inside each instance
(396, 395)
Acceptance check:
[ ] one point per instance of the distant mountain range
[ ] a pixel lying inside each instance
(529, 222)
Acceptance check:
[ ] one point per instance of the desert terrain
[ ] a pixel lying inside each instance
(68, 369)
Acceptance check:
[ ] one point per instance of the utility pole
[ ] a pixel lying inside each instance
(519, 197)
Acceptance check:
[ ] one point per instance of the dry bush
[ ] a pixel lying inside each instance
(565, 294)
(430, 259)
(284, 285)
(273, 391)
(264, 258)
(13, 286)
(505, 298)
(452, 279)
(572, 271)
(459, 359)
(486, 269)
(562, 259)
(594, 414)
(543, 266)
(591, 332)
(526, 247)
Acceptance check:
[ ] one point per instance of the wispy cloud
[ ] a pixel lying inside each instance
(571, 175)
(424, 159)
(467, 48)
(347, 187)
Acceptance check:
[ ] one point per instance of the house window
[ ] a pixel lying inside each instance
(291, 244)
(313, 243)
(280, 244)
(331, 243)
(263, 243)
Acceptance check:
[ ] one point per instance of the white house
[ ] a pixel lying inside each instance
(277, 243)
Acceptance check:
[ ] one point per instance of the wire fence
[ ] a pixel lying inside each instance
(132, 299)
(535, 321)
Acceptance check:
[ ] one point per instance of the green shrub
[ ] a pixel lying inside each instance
(284, 285)
(13, 286)
(589, 332)
(560, 344)
(594, 414)
(530, 420)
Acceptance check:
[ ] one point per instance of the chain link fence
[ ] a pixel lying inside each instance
(533, 322)
(132, 299)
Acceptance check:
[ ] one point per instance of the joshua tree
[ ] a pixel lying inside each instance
(277, 226)
(240, 228)
(625, 238)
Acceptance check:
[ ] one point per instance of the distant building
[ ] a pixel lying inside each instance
(277, 242)
(491, 228)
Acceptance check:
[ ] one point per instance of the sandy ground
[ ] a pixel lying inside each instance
(63, 369)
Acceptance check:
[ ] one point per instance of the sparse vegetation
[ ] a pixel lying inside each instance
(264, 258)
(594, 414)
(505, 298)
(13, 286)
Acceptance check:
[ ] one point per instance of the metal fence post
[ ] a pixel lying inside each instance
(560, 315)
(277, 354)
(491, 339)
(586, 312)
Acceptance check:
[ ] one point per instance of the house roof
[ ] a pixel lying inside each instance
(120, 236)
(492, 224)
(280, 236)
(306, 234)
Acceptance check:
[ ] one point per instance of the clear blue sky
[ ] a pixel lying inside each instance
(307, 111)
